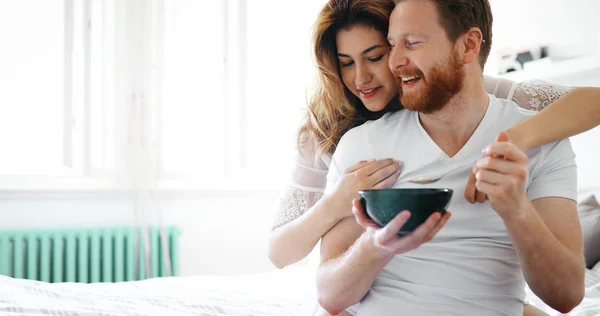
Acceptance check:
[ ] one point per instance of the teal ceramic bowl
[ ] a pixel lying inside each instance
(384, 204)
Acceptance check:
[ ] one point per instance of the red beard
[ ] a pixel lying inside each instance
(444, 82)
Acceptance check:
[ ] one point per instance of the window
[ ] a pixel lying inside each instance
(102, 97)
(234, 84)
(189, 93)
(56, 114)
(193, 109)
(33, 130)
(279, 71)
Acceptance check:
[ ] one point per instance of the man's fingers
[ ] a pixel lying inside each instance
(421, 234)
(439, 225)
(470, 190)
(390, 231)
(480, 196)
(360, 215)
(507, 150)
(417, 237)
(486, 187)
(492, 177)
(502, 166)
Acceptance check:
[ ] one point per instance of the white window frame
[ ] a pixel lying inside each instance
(75, 175)
(234, 32)
(137, 120)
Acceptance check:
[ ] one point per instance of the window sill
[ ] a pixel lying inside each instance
(234, 187)
(55, 187)
(63, 186)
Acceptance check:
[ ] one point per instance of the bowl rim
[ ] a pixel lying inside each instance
(420, 191)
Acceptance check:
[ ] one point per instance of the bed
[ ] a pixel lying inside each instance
(264, 294)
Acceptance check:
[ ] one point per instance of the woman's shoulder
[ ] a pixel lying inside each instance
(309, 155)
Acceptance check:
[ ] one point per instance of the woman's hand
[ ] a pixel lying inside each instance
(520, 140)
(364, 175)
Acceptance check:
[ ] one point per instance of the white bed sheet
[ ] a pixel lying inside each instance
(277, 293)
(266, 294)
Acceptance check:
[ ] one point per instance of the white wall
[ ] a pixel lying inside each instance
(220, 235)
(570, 28)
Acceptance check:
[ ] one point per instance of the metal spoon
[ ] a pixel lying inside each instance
(423, 179)
(419, 180)
(432, 178)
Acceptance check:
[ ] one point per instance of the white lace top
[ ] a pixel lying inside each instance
(309, 175)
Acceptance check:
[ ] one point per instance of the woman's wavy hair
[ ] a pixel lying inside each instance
(332, 108)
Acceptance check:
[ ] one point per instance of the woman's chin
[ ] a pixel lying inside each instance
(375, 107)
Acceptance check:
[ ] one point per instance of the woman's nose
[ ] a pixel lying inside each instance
(363, 76)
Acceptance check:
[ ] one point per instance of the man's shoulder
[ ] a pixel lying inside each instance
(509, 112)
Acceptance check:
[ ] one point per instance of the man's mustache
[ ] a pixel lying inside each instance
(408, 73)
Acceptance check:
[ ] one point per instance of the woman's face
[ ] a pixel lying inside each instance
(363, 59)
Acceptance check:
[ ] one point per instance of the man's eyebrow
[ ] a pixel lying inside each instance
(364, 51)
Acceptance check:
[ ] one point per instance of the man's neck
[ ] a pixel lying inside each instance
(451, 127)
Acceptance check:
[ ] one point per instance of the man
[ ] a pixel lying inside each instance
(477, 262)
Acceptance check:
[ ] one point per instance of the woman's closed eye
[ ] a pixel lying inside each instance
(350, 63)
(376, 59)
(346, 64)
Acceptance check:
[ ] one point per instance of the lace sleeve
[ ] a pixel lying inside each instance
(536, 94)
(533, 95)
(306, 187)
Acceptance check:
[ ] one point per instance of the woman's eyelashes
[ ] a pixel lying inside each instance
(346, 64)
(350, 63)
(376, 59)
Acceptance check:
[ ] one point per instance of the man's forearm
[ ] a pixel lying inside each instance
(553, 271)
(344, 281)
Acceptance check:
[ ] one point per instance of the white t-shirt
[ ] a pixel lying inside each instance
(470, 267)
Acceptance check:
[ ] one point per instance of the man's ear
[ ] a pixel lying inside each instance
(472, 41)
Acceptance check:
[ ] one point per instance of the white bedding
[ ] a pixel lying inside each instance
(267, 294)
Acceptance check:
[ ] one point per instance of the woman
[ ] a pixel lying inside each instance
(356, 85)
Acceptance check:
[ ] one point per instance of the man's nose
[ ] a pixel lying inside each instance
(397, 59)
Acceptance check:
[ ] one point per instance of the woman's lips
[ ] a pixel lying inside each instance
(369, 93)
